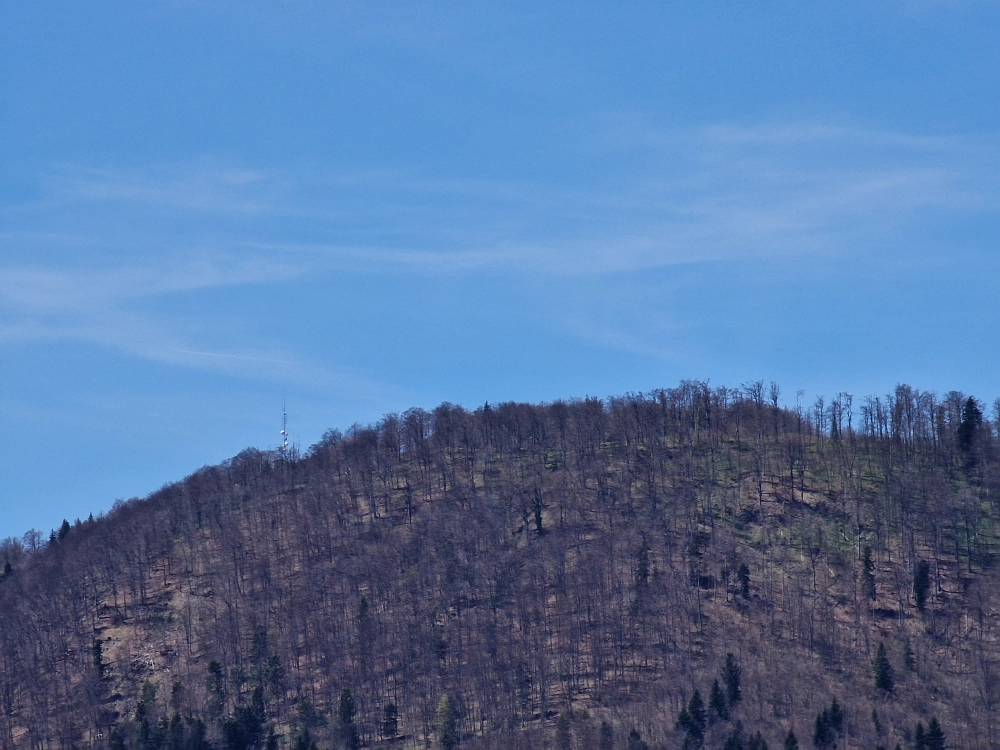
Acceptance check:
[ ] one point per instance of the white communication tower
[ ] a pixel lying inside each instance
(284, 432)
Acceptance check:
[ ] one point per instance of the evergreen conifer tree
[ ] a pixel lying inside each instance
(743, 576)
(921, 583)
(822, 732)
(306, 714)
(696, 710)
(197, 736)
(717, 708)
(348, 729)
(835, 717)
(972, 419)
(692, 720)
(734, 741)
(175, 733)
(98, 654)
(117, 739)
(606, 738)
(731, 674)
(883, 670)
(934, 739)
(274, 676)
(920, 737)
(868, 573)
(447, 725)
(635, 741)
(791, 741)
(683, 723)
(346, 708)
(245, 728)
(216, 684)
(390, 721)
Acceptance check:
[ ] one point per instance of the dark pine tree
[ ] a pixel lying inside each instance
(117, 739)
(98, 654)
(216, 684)
(346, 711)
(175, 733)
(883, 670)
(743, 576)
(390, 721)
(823, 732)
(735, 739)
(696, 710)
(635, 741)
(972, 419)
(245, 728)
(606, 738)
(447, 724)
(791, 741)
(909, 658)
(921, 583)
(196, 737)
(683, 723)
(934, 739)
(731, 674)
(835, 717)
(868, 573)
(692, 720)
(717, 708)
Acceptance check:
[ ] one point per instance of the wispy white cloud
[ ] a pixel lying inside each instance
(712, 193)
(223, 355)
(81, 259)
(205, 186)
(103, 307)
(53, 291)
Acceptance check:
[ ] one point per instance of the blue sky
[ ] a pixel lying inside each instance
(210, 208)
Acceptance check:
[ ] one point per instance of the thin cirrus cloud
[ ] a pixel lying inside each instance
(701, 175)
(94, 309)
(95, 305)
(715, 195)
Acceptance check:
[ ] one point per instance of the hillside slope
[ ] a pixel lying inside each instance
(566, 574)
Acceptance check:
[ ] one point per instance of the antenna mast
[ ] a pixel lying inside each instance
(284, 431)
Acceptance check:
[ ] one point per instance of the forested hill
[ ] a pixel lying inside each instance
(687, 567)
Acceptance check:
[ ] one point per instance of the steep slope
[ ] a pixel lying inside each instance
(522, 574)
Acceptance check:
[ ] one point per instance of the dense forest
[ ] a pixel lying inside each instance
(692, 567)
